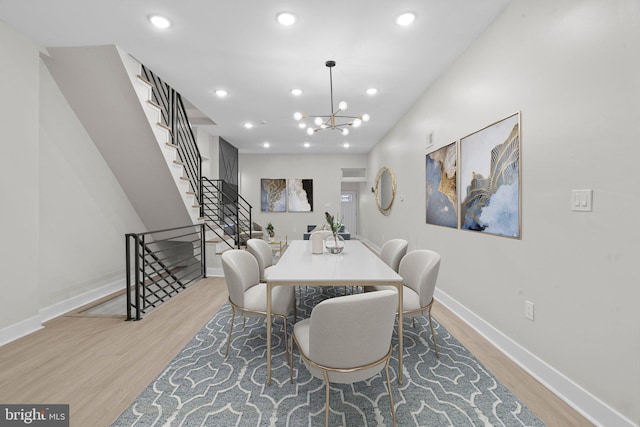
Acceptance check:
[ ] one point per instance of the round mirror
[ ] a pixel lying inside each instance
(385, 189)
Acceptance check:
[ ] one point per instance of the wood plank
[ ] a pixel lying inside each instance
(99, 365)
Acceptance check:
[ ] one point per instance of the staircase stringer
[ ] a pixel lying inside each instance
(153, 112)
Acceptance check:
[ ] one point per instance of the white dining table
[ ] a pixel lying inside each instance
(357, 265)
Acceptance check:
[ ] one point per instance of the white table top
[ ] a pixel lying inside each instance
(355, 265)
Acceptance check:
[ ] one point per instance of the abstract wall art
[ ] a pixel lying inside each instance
(490, 179)
(300, 195)
(441, 189)
(273, 195)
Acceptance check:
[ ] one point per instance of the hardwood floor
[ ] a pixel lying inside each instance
(99, 364)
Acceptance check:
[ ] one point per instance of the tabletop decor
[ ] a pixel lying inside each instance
(334, 243)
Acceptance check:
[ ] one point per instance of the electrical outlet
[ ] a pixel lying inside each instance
(528, 310)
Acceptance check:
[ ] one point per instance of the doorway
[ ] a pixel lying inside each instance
(348, 211)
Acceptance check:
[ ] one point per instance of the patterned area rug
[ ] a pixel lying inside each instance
(201, 388)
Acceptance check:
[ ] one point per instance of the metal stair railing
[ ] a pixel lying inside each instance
(174, 116)
(228, 210)
(160, 264)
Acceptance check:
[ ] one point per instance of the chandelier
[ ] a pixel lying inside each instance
(333, 121)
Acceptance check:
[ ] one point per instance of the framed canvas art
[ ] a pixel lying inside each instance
(273, 195)
(300, 195)
(490, 190)
(441, 195)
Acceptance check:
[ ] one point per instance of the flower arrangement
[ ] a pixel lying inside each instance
(335, 224)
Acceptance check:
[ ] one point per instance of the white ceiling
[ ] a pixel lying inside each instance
(239, 46)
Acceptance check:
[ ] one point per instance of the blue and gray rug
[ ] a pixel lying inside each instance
(201, 388)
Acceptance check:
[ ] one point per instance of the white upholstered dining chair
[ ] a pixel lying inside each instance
(393, 251)
(263, 254)
(419, 271)
(348, 339)
(248, 296)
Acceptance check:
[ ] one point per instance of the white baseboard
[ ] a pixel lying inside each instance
(574, 395)
(215, 272)
(19, 330)
(25, 327)
(66, 306)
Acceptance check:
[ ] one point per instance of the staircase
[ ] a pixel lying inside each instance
(140, 127)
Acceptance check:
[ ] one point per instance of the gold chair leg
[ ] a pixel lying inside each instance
(433, 335)
(233, 315)
(286, 337)
(326, 412)
(393, 410)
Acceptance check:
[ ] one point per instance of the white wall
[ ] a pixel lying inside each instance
(326, 172)
(573, 70)
(63, 215)
(209, 146)
(18, 179)
(84, 213)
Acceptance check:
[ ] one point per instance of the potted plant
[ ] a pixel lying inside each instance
(270, 230)
(335, 242)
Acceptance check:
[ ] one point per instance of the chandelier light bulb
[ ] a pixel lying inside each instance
(297, 115)
(318, 121)
(356, 123)
(310, 131)
(345, 131)
(365, 117)
(342, 106)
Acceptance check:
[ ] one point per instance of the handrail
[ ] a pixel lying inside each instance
(230, 210)
(161, 263)
(174, 116)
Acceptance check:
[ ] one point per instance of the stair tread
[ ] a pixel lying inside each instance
(144, 80)
(154, 104)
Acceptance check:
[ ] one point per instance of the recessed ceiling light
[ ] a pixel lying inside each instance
(302, 125)
(406, 19)
(248, 125)
(345, 145)
(372, 91)
(221, 93)
(286, 18)
(266, 145)
(160, 21)
(307, 145)
(296, 92)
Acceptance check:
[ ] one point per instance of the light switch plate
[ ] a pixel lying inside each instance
(582, 200)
